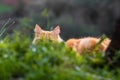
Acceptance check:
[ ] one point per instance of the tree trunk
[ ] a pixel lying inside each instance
(115, 43)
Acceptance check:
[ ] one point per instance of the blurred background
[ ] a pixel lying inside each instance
(77, 18)
(20, 60)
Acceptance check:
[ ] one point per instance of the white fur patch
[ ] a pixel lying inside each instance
(60, 39)
(84, 42)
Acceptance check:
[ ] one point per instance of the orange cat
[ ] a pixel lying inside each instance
(42, 34)
(87, 43)
(79, 45)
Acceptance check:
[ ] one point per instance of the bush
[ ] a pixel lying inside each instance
(19, 59)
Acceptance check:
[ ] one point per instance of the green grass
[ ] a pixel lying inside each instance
(19, 59)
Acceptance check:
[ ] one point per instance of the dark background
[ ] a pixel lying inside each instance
(77, 18)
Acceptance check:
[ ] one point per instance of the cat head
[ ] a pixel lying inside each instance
(42, 34)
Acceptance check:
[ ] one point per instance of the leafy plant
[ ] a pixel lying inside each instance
(48, 60)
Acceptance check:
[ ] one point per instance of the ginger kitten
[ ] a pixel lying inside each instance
(87, 43)
(53, 35)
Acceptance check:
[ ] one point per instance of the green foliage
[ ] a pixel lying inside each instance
(4, 8)
(48, 60)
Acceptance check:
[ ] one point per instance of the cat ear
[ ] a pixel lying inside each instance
(37, 28)
(56, 30)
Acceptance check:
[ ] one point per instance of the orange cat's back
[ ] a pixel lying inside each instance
(72, 43)
(79, 45)
(87, 43)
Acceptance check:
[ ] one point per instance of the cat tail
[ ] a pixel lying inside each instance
(103, 44)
